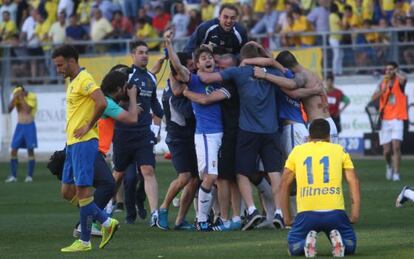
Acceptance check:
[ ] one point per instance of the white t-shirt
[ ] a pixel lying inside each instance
(57, 32)
(181, 22)
(28, 27)
(65, 5)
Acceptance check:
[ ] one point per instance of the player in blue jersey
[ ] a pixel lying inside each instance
(209, 126)
(258, 128)
(180, 126)
(135, 142)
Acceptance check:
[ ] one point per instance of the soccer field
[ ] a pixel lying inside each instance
(35, 222)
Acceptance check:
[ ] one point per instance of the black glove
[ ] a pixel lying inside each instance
(56, 162)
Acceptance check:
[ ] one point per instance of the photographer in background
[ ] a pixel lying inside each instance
(393, 111)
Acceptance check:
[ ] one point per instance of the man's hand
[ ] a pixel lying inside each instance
(132, 91)
(79, 133)
(185, 91)
(259, 73)
(168, 36)
(354, 219)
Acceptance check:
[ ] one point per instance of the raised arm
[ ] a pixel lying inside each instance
(209, 78)
(181, 70)
(158, 65)
(301, 93)
(284, 191)
(130, 116)
(354, 192)
(206, 99)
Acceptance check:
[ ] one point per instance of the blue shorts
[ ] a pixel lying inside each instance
(80, 162)
(321, 221)
(251, 145)
(24, 136)
(132, 147)
(183, 156)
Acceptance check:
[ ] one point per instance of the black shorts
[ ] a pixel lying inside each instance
(183, 156)
(227, 157)
(132, 147)
(251, 146)
(337, 121)
(102, 174)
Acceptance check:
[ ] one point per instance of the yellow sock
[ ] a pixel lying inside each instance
(85, 202)
(74, 201)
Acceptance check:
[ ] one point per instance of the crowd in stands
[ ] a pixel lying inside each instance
(34, 26)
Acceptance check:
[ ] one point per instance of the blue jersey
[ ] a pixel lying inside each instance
(289, 108)
(258, 109)
(208, 117)
(179, 116)
(211, 32)
(147, 99)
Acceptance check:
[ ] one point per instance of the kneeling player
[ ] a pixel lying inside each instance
(318, 167)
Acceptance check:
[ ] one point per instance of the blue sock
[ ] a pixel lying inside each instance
(88, 212)
(31, 166)
(13, 165)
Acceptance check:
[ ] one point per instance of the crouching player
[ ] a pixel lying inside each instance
(318, 167)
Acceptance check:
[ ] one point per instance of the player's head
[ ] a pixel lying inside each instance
(65, 58)
(139, 52)
(319, 130)
(18, 89)
(330, 78)
(390, 69)
(227, 60)
(114, 84)
(228, 16)
(185, 60)
(287, 59)
(122, 68)
(204, 60)
(249, 50)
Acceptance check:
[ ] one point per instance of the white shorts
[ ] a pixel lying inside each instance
(391, 129)
(207, 149)
(293, 134)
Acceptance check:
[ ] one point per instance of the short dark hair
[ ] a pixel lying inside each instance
(229, 6)
(233, 58)
(136, 44)
(392, 63)
(201, 50)
(122, 68)
(287, 59)
(249, 51)
(183, 57)
(319, 129)
(113, 81)
(331, 76)
(348, 8)
(66, 51)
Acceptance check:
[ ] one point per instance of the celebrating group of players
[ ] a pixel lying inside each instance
(233, 115)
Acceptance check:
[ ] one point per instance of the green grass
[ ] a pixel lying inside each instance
(35, 222)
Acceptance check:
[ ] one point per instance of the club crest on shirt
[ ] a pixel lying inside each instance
(209, 89)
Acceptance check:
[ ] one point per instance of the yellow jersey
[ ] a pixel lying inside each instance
(80, 107)
(7, 29)
(318, 168)
(31, 100)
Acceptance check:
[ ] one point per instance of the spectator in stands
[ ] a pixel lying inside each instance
(319, 18)
(84, 13)
(101, 29)
(223, 33)
(283, 18)
(349, 19)
(286, 37)
(11, 7)
(106, 7)
(51, 10)
(195, 20)
(207, 10)
(364, 54)
(22, 12)
(301, 25)
(387, 8)
(142, 13)
(123, 28)
(383, 38)
(180, 22)
(19, 68)
(76, 32)
(306, 6)
(408, 51)
(42, 33)
(161, 20)
(66, 6)
(30, 39)
(57, 33)
(267, 24)
(335, 98)
(147, 33)
(130, 8)
(8, 28)
(247, 18)
(335, 25)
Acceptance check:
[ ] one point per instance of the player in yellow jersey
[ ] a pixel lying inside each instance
(85, 104)
(318, 168)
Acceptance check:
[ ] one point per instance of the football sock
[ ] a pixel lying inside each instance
(13, 165)
(205, 200)
(279, 211)
(155, 213)
(88, 212)
(74, 201)
(409, 194)
(31, 165)
(251, 209)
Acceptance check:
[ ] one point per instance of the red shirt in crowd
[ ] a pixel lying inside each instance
(334, 100)
(160, 22)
